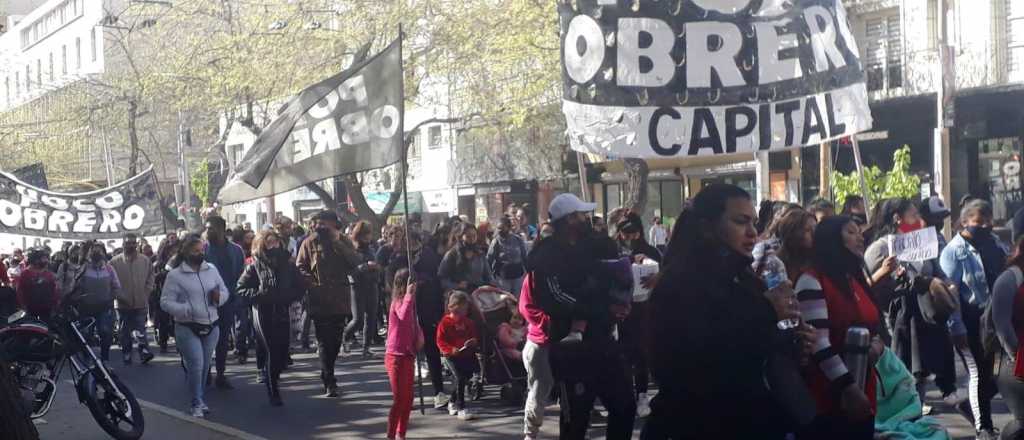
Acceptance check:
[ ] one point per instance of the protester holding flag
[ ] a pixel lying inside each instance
(229, 261)
(137, 282)
(973, 260)
(405, 339)
(328, 260)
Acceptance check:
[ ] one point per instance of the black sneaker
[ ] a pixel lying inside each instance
(331, 391)
(275, 400)
(147, 356)
(222, 383)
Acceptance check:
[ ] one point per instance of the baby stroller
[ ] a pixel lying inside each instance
(492, 307)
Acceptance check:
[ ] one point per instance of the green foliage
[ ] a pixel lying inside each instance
(201, 181)
(898, 182)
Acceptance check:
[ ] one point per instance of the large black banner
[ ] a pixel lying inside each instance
(708, 77)
(347, 123)
(32, 216)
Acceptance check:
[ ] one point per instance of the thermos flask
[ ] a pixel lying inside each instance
(858, 340)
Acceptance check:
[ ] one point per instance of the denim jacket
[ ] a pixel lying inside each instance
(962, 264)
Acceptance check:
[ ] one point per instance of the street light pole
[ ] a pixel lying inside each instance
(944, 108)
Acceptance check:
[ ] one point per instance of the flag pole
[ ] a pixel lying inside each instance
(860, 172)
(405, 203)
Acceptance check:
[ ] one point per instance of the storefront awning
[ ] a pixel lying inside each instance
(377, 201)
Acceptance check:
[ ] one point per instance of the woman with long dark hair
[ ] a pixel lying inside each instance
(919, 339)
(1008, 317)
(713, 329)
(192, 293)
(834, 296)
(163, 323)
(271, 283)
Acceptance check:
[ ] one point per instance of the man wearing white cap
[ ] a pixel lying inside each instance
(568, 287)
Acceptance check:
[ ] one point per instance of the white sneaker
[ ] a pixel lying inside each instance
(197, 412)
(440, 400)
(452, 410)
(530, 437)
(954, 398)
(643, 406)
(203, 407)
(466, 415)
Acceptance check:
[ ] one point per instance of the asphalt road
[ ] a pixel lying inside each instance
(360, 412)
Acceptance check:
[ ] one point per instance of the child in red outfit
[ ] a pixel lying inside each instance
(458, 341)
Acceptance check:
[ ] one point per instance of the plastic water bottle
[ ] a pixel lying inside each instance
(773, 272)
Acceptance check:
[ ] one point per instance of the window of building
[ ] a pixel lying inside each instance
(883, 58)
(64, 59)
(414, 146)
(1015, 39)
(78, 53)
(51, 67)
(49, 23)
(434, 137)
(92, 36)
(28, 78)
(39, 73)
(17, 83)
(236, 152)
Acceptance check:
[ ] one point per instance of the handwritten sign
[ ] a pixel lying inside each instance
(920, 245)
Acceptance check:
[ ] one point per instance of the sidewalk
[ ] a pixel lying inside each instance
(69, 419)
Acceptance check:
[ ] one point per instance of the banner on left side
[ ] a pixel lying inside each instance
(31, 216)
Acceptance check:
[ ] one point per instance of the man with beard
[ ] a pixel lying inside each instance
(229, 259)
(570, 286)
(137, 281)
(329, 260)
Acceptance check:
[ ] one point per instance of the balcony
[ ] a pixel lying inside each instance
(919, 73)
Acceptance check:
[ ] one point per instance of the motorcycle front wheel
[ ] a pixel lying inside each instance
(121, 418)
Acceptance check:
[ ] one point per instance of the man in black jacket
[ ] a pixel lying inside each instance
(570, 285)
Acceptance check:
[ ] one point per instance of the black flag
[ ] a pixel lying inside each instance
(347, 123)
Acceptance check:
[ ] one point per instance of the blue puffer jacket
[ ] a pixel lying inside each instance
(962, 263)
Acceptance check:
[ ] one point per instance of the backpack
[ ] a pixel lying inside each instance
(989, 339)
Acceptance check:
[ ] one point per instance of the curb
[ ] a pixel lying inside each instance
(213, 426)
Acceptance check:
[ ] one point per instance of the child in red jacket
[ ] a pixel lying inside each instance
(458, 341)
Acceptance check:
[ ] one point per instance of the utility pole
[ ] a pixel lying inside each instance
(944, 107)
(183, 177)
(825, 171)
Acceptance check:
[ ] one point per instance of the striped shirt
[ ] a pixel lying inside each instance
(814, 310)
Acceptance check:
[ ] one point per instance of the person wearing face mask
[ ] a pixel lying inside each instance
(506, 257)
(37, 288)
(97, 287)
(919, 339)
(329, 261)
(972, 260)
(271, 283)
(365, 292)
(66, 272)
(137, 281)
(192, 293)
(569, 286)
(228, 260)
(464, 267)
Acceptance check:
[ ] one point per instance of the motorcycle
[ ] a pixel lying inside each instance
(37, 351)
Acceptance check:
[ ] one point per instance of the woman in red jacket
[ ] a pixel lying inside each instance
(834, 295)
(458, 341)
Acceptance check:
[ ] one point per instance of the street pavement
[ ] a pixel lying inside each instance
(360, 412)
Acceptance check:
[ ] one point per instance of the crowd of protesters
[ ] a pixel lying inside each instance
(740, 323)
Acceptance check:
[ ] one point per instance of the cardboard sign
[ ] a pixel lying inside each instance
(920, 245)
